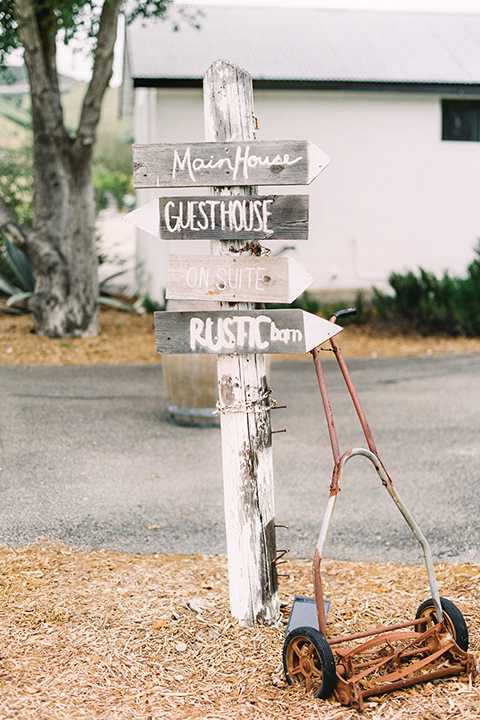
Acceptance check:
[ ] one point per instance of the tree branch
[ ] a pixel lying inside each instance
(47, 112)
(10, 227)
(102, 72)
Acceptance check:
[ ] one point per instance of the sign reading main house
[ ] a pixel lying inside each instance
(279, 162)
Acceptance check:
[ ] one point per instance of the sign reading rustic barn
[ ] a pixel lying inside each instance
(276, 162)
(233, 278)
(241, 331)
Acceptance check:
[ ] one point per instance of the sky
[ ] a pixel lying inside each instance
(75, 64)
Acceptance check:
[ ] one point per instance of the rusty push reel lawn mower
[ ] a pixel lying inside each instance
(353, 667)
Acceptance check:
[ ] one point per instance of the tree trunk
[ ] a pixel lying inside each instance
(62, 244)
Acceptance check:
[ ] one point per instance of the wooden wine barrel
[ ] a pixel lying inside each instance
(191, 381)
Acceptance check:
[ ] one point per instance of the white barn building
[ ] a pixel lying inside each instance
(393, 98)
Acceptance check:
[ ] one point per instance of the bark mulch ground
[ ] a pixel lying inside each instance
(128, 338)
(109, 636)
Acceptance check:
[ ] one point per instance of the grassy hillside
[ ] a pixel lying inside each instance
(15, 120)
(112, 169)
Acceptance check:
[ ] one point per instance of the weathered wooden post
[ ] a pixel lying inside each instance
(244, 399)
(238, 274)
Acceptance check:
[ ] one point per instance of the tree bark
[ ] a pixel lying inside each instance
(61, 244)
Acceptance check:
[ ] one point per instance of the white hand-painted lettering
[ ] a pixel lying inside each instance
(284, 335)
(227, 278)
(243, 162)
(240, 332)
(246, 161)
(197, 164)
(234, 215)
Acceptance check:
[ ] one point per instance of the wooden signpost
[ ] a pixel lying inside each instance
(278, 162)
(236, 219)
(223, 332)
(235, 278)
(271, 217)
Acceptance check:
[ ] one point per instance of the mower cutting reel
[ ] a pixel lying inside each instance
(380, 660)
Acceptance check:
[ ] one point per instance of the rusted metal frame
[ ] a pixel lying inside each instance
(376, 631)
(339, 463)
(397, 657)
(409, 670)
(349, 692)
(405, 653)
(386, 481)
(386, 638)
(353, 394)
(326, 405)
(408, 682)
(317, 580)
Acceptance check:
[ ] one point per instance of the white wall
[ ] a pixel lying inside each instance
(395, 197)
(165, 116)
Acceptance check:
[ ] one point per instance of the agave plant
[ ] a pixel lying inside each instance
(19, 285)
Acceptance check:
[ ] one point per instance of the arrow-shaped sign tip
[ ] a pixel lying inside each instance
(298, 280)
(318, 330)
(318, 161)
(146, 218)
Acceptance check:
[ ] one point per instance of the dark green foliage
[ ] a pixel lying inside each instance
(306, 302)
(447, 305)
(16, 188)
(312, 303)
(111, 185)
(71, 17)
(151, 306)
(16, 182)
(17, 281)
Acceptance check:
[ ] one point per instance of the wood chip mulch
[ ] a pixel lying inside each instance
(128, 338)
(110, 636)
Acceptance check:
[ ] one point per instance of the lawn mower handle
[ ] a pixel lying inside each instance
(348, 312)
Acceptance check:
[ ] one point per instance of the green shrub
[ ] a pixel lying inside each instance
(16, 182)
(111, 185)
(447, 305)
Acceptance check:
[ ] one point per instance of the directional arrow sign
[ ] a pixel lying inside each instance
(278, 162)
(235, 279)
(247, 217)
(239, 332)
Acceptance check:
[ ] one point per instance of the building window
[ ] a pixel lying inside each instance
(461, 120)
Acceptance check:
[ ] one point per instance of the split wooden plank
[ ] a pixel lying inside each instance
(226, 164)
(235, 278)
(244, 396)
(224, 332)
(265, 217)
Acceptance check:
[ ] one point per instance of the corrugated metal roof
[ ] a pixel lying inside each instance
(300, 44)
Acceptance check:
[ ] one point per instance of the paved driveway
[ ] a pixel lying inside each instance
(88, 455)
